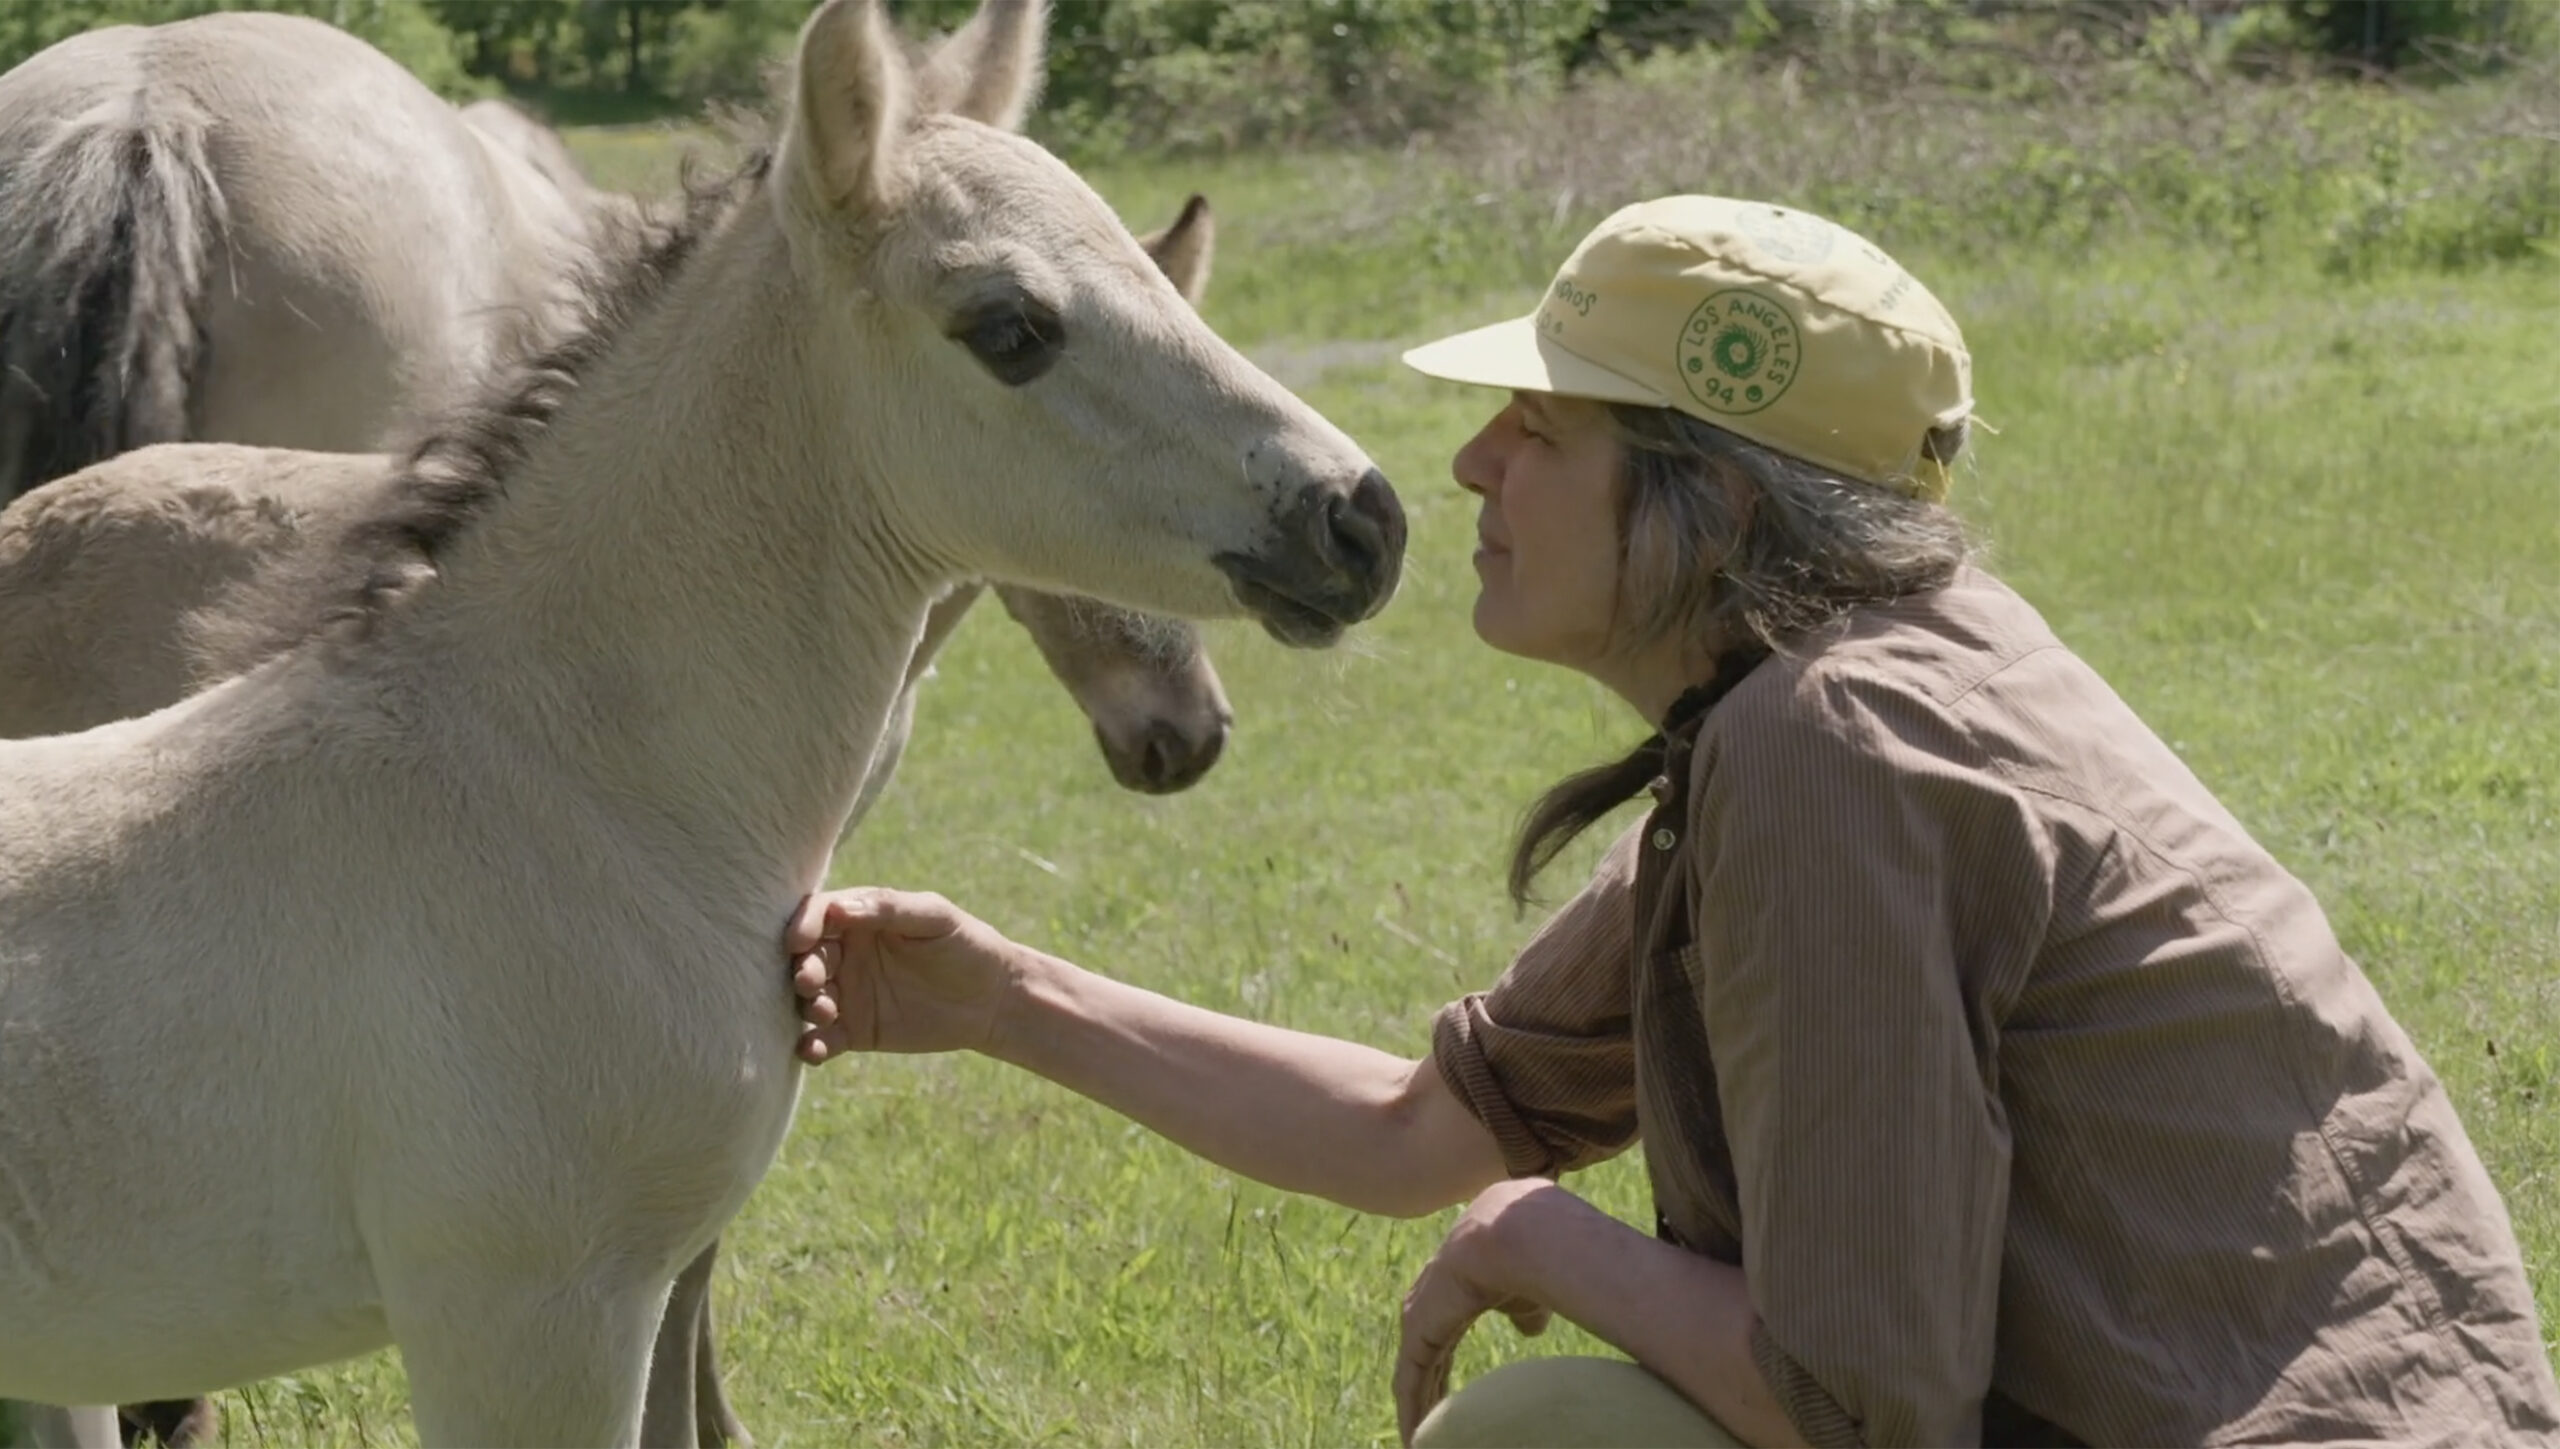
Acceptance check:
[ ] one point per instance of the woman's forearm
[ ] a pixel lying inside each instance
(1306, 1113)
(1684, 1316)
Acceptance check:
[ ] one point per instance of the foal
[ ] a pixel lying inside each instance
(114, 584)
(117, 586)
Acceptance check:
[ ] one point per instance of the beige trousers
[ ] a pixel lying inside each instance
(1570, 1403)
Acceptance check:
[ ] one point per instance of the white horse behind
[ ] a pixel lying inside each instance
(240, 296)
(540, 147)
(419, 986)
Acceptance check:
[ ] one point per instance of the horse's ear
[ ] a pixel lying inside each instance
(990, 69)
(1183, 250)
(849, 105)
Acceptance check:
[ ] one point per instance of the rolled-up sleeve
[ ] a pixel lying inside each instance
(1870, 894)
(1545, 1059)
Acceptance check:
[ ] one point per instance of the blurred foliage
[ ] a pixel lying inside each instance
(1186, 75)
(1215, 74)
(2381, 133)
(2391, 34)
(409, 31)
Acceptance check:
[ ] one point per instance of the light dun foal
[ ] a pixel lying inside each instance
(116, 583)
(419, 986)
(122, 589)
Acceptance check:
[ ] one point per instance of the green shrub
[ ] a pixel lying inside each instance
(1980, 125)
(401, 29)
(2063, 156)
(2405, 207)
(1194, 75)
(724, 53)
(2393, 33)
(405, 30)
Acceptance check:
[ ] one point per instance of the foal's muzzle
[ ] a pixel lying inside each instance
(1334, 563)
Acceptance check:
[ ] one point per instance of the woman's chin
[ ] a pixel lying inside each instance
(1490, 627)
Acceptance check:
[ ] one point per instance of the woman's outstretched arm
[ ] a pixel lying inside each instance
(883, 970)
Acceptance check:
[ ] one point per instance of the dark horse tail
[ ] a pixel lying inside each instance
(109, 227)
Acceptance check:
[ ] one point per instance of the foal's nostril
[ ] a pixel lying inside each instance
(1365, 531)
(1169, 760)
(1196, 758)
(1155, 767)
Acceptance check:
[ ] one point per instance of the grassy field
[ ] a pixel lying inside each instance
(2304, 525)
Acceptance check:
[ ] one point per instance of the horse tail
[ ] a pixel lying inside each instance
(103, 264)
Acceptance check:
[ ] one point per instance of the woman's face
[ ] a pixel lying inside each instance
(1546, 469)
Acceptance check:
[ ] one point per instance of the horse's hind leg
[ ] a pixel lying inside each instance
(687, 1407)
(672, 1414)
(715, 1422)
(718, 1423)
(494, 1361)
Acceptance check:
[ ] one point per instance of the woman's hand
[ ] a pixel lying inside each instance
(1476, 1271)
(895, 971)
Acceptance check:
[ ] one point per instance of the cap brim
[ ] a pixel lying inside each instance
(1514, 355)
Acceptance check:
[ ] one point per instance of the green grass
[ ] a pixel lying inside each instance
(2305, 526)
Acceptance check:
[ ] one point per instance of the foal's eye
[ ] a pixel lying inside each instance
(1016, 341)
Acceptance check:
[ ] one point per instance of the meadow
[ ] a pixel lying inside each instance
(2301, 517)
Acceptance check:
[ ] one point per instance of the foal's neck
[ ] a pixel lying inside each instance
(690, 597)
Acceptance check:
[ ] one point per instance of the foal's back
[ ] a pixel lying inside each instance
(251, 228)
(102, 573)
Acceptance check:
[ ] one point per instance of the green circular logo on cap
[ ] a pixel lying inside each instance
(1739, 350)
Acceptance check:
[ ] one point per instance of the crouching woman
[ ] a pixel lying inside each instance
(1994, 1085)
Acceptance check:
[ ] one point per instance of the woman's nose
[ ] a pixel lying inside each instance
(1475, 467)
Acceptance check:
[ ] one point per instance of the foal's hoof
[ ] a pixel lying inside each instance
(175, 1423)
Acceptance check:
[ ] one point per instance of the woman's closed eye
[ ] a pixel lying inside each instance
(1534, 421)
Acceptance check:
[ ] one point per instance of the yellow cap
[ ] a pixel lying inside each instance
(1775, 324)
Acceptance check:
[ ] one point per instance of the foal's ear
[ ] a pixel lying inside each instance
(849, 105)
(1183, 250)
(990, 69)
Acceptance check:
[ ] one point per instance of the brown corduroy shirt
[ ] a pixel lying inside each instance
(2035, 1099)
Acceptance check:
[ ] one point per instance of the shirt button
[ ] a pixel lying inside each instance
(1663, 839)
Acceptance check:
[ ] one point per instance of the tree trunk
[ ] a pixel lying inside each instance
(631, 13)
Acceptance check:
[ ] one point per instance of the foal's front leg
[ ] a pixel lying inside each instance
(50, 1426)
(495, 1360)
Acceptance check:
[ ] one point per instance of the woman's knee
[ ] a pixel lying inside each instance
(1570, 1403)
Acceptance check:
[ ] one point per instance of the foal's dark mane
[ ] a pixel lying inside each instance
(459, 470)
